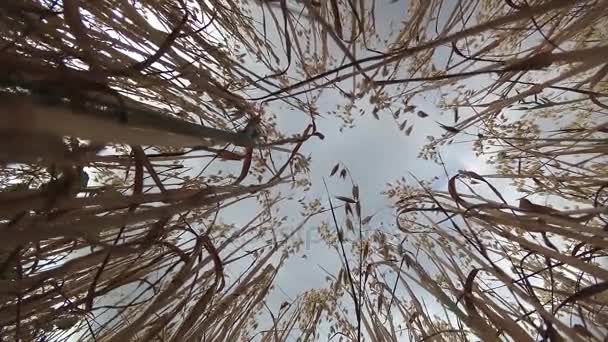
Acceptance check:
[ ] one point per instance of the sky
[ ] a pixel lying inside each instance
(376, 152)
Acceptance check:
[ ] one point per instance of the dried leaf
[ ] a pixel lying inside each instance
(283, 305)
(347, 209)
(375, 114)
(468, 291)
(349, 224)
(355, 192)
(334, 170)
(346, 199)
(449, 128)
(526, 205)
(409, 130)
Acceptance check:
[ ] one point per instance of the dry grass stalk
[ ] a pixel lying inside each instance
(130, 92)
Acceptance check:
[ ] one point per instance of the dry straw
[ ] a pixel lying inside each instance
(123, 123)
